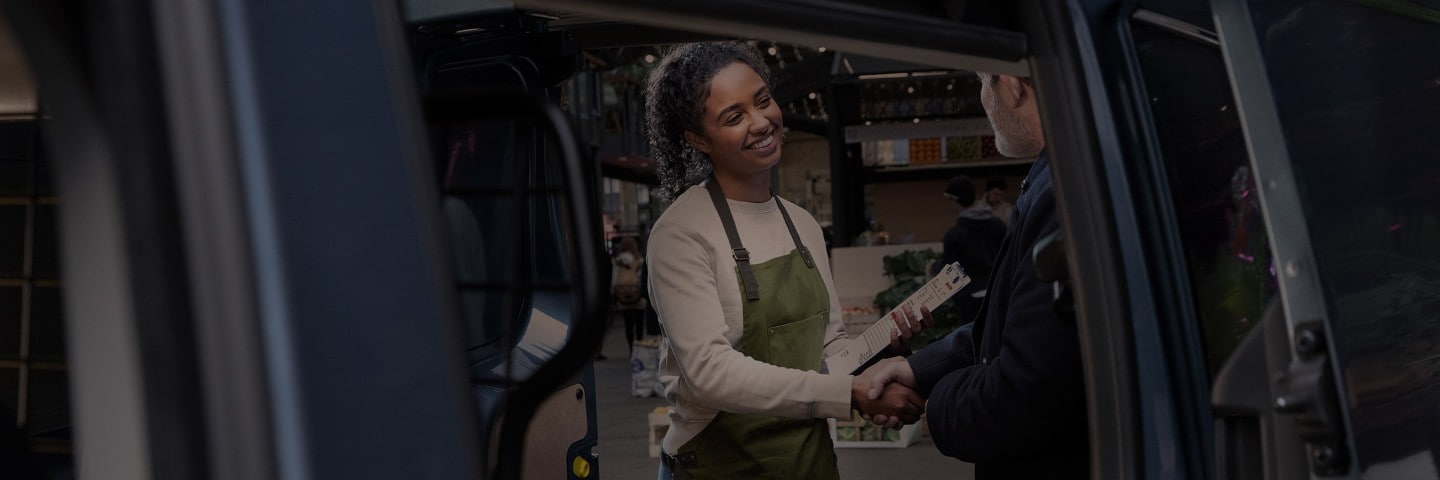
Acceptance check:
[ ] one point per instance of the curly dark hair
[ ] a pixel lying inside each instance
(675, 95)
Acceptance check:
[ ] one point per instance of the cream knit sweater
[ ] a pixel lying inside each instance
(694, 289)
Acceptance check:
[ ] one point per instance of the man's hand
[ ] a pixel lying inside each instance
(907, 325)
(885, 372)
(897, 405)
(876, 384)
(879, 377)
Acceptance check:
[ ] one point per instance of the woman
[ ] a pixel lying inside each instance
(625, 289)
(747, 311)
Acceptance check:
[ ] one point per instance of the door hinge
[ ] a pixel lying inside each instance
(1309, 395)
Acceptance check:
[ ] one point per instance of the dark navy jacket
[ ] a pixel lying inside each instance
(1006, 391)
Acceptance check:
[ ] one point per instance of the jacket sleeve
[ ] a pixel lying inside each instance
(1030, 396)
(946, 355)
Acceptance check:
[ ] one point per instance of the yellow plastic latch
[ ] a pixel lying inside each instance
(581, 467)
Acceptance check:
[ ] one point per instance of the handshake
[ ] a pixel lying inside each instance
(885, 393)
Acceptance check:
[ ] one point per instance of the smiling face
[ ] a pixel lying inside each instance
(741, 123)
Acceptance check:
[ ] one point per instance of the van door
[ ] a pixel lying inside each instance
(503, 154)
(259, 283)
(1339, 112)
(1272, 217)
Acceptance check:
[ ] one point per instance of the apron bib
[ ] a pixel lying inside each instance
(786, 310)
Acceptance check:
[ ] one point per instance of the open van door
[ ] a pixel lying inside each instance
(267, 268)
(514, 184)
(1258, 231)
(1349, 190)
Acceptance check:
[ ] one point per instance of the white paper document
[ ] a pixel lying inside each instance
(859, 351)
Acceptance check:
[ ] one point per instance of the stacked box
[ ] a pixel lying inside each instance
(962, 149)
(860, 433)
(987, 147)
(659, 424)
(924, 151)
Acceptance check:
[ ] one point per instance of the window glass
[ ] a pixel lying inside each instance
(48, 408)
(9, 396)
(10, 322)
(14, 177)
(1227, 253)
(1357, 89)
(31, 308)
(47, 325)
(17, 145)
(482, 154)
(12, 240)
(45, 259)
(492, 235)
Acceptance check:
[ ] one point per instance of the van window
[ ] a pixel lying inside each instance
(1227, 253)
(1357, 90)
(34, 383)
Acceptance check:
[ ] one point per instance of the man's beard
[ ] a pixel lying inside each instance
(1013, 136)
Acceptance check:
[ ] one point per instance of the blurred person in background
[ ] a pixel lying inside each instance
(625, 288)
(995, 198)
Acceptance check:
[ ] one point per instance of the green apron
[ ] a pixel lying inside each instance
(786, 310)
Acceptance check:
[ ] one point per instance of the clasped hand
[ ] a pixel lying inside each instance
(885, 393)
(892, 406)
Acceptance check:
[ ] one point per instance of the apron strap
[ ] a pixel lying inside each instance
(804, 252)
(742, 256)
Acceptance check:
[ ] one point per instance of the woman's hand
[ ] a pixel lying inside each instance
(892, 405)
(907, 325)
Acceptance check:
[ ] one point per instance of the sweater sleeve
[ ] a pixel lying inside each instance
(835, 337)
(684, 293)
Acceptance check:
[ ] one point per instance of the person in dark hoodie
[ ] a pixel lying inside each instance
(1007, 391)
(974, 241)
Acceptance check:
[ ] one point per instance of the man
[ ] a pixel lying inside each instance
(973, 241)
(995, 197)
(1006, 392)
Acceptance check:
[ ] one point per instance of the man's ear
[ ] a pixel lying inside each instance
(697, 141)
(1016, 90)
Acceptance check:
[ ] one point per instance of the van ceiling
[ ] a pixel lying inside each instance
(915, 31)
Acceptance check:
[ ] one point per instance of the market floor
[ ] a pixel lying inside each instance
(624, 441)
